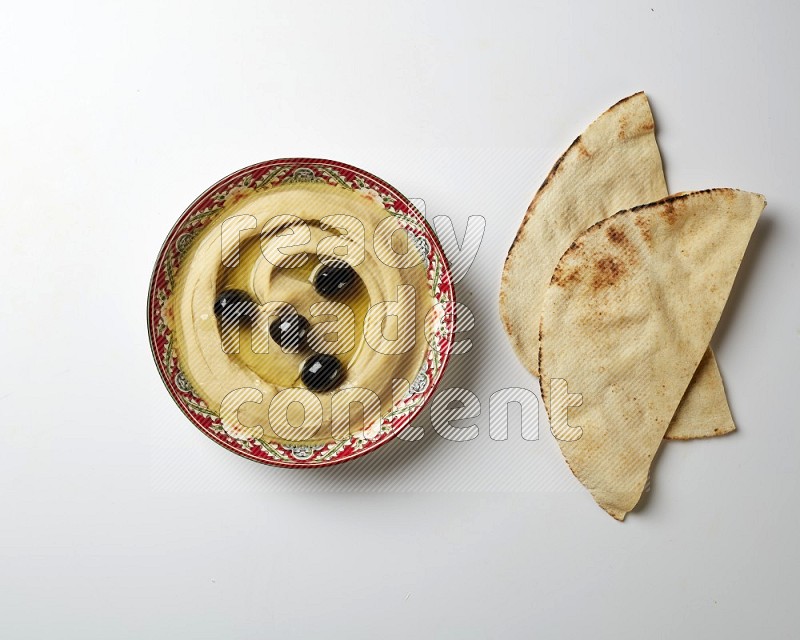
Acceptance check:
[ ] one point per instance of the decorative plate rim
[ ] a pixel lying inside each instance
(303, 169)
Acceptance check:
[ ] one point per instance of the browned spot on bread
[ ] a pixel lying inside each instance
(643, 225)
(649, 125)
(583, 150)
(616, 235)
(668, 212)
(623, 124)
(607, 272)
(563, 277)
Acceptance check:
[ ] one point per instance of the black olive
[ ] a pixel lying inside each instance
(322, 372)
(233, 305)
(290, 330)
(335, 279)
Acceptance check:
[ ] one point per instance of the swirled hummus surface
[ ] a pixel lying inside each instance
(270, 244)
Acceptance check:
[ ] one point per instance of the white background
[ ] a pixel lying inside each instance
(118, 519)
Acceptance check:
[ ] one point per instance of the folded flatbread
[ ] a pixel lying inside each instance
(626, 320)
(613, 165)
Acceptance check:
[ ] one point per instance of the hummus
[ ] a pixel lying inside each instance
(270, 244)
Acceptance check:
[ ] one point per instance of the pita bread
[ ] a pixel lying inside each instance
(626, 323)
(613, 165)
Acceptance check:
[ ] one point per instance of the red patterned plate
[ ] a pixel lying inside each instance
(261, 178)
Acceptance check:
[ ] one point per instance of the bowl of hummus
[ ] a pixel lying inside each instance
(301, 312)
